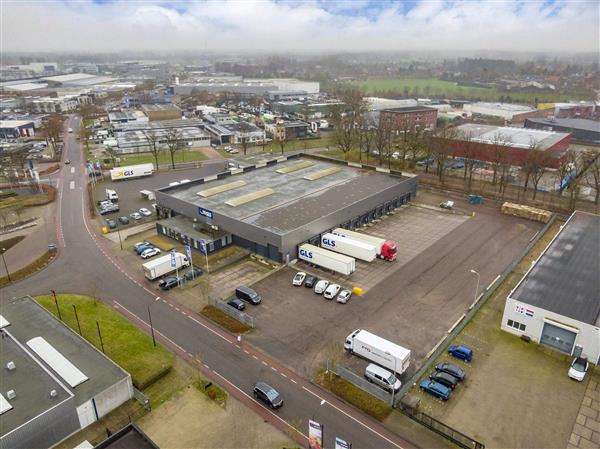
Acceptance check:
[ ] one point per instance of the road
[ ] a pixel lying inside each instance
(85, 265)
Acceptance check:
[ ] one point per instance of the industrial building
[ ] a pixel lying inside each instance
(235, 132)
(409, 118)
(275, 204)
(291, 130)
(557, 302)
(582, 130)
(54, 383)
(504, 111)
(12, 129)
(159, 111)
(512, 145)
(127, 117)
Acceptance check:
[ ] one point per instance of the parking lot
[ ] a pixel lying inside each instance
(414, 305)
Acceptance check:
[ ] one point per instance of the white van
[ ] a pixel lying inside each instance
(382, 378)
(112, 195)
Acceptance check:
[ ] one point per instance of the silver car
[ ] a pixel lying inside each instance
(344, 296)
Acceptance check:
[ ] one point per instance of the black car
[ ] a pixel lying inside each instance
(112, 224)
(169, 282)
(445, 379)
(267, 394)
(67, 161)
(310, 281)
(193, 273)
(124, 220)
(451, 369)
(237, 304)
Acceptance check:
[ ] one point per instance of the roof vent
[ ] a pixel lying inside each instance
(10, 394)
(11, 365)
(53, 393)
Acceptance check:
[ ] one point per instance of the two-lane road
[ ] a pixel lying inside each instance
(85, 265)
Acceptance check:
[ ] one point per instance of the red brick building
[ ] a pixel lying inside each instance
(409, 118)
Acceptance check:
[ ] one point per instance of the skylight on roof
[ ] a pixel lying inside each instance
(322, 173)
(295, 167)
(238, 201)
(55, 360)
(220, 189)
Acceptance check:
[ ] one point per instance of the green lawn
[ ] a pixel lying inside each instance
(88, 122)
(164, 157)
(299, 145)
(123, 342)
(438, 88)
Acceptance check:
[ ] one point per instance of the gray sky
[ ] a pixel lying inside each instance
(360, 25)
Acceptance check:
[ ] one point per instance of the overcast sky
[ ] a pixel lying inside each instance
(108, 26)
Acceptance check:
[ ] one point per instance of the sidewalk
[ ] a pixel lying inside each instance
(586, 430)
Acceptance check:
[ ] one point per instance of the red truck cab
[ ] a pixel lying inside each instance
(388, 251)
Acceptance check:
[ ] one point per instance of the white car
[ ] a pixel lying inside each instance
(135, 215)
(147, 253)
(299, 279)
(321, 286)
(344, 296)
(578, 368)
(145, 212)
(332, 291)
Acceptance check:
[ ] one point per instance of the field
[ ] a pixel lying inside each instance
(438, 88)
(164, 157)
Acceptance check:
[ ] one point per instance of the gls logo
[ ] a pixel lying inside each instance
(329, 242)
(306, 253)
(128, 172)
(205, 213)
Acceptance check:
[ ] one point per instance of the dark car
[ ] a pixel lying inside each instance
(248, 295)
(140, 249)
(112, 224)
(310, 281)
(435, 389)
(267, 394)
(461, 352)
(124, 220)
(451, 369)
(67, 161)
(193, 273)
(169, 282)
(139, 244)
(445, 379)
(237, 304)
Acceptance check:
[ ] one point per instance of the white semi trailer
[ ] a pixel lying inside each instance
(327, 259)
(386, 249)
(131, 171)
(378, 350)
(353, 248)
(161, 266)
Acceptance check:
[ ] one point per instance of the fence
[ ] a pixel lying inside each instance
(232, 312)
(364, 385)
(142, 399)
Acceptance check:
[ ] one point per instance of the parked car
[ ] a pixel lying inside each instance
(139, 244)
(445, 379)
(299, 278)
(145, 212)
(193, 273)
(321, 286)
(310, 281)
(237, 304)
(435, 389)
(452, 369)
(457, 165)
(112, 224)
(104, 203)
(461, 352)
(135, 215)
(331, 291)
(248, 295)
(344, 296)
(169, 282)
(67, 161)
(578, 368)
(447, 204)
(382, 377)
(267, 394)
(124, 220)
(150, 252)
(139, 249)
(424, 162)
(109, 209)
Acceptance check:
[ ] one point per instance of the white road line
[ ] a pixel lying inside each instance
(293, 381)
(492, 283)
(264, 363)
(209, 329)
(72, 185)
(283, 375)
(72, 169)
(274, 369)
(255, 357)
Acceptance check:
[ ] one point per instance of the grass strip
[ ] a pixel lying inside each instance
(34, 266)
(213, 391)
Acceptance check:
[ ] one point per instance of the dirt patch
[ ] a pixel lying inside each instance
(162, 243)
(224, 320)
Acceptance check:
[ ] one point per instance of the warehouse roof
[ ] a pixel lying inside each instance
(572, 123)
(409, 109)
(509, 136)
(566, 277)
(284, 194)
(15, 123)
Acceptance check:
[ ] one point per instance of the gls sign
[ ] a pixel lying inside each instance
(329, 242)
(205, 213)
(127, 172)
(306, 253)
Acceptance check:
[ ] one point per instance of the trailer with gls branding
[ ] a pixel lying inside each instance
(131, 171)
(353, 248)
(164, 265)
(379, 350)
(326, 259)
(386, 249)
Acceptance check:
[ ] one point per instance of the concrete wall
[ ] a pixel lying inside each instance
(113, 396)
(588, 336)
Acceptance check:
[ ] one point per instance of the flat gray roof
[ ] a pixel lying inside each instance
(514, 137)
(28, 320)
(566, 277)
(573, 123)
(294, 200)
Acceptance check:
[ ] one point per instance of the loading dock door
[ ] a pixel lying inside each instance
(558, 338)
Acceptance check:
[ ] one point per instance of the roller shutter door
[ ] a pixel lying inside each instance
(558, 338)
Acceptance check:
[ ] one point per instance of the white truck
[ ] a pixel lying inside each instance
(326, 259)
(112, 195)
(131, 171)
(161, 266)
(386, 249)
(353, 248)
(378, 350)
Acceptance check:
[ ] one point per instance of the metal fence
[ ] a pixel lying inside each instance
(142, 398)
(364, 384)
(232, 312)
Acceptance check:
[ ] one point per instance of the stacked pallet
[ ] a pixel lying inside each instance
(531, 213)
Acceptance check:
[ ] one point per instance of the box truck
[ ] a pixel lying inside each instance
(161, 266)
(378, 350)
(112, 195)
(353, 248)
(131, 171)
(386, 249)
(326, 259)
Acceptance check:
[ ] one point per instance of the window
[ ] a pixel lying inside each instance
(516, 325)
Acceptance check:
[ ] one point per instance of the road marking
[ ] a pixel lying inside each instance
(294, 381)
(283, 375)
(255, 357)
(72, 185)
(274, 369)
(72, 169)
(264, 363)
(492, 283)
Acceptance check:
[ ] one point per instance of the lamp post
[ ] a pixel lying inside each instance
(477, 287)
(394, 385)
(5, 266)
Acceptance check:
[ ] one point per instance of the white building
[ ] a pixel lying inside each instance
(505, 111)
(557, 302)
(377, 103)
(54, 104)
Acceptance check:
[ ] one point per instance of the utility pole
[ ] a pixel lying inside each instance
(56, 302)
(477, 287)
(5, 266)
(151, 327)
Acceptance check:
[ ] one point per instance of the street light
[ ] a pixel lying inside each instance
(5, 266)
(394, 385)
(477, 287)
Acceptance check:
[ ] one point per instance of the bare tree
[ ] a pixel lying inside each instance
(382, 140)
(85, 134)
(281, 139)
(440, 149)
(52, 129)
(174, 142)
(345, 131)
(539, 161)
(469, 149)
(112, 153)
(153, 144)
(593, 173)
(244, 130)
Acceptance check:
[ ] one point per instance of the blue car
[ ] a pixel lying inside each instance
(435, 389)
(461, 352)
(140, 249)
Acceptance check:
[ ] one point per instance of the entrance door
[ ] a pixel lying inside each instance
(558, 338)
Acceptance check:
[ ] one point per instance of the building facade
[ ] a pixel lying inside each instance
(409, 118)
